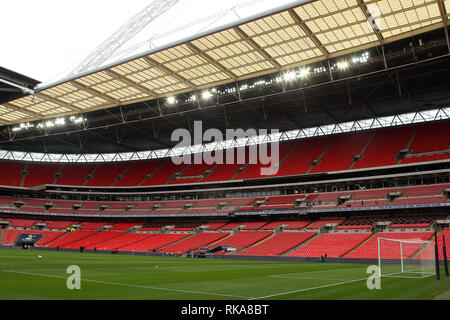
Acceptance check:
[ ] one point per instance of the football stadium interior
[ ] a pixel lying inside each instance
(359, 112)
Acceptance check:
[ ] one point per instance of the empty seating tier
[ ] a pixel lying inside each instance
(421, 194)
(74, 174)
(195, 242)
(154, 242)
(11, 173)
(297, 225)
(70, 237)
(278, 244)
(431, 137)
(60, 224)
(124, 240)
(379, 153)
(421, 200)
(124, 226)
(91, 241)
(341, 153)
(334, 245)
(137, 173)
(39, 175)
(47, 236)
(300, 159)
(92, 225)
(320, 223)
(310, 155)
(244, 239)
(107, 174)
(212, 226)
(22, 223)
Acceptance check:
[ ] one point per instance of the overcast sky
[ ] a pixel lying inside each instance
(46, 39)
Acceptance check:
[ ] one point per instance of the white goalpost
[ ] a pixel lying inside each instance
(399, 258)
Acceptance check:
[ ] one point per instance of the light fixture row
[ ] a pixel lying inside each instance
(291, 75)
(47, 124)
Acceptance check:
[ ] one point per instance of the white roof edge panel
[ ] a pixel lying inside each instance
(260, 138)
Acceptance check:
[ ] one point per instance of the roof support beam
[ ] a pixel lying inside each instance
(94, 92)
(206, 57)
(257, 47)
(19, 109)
(58, 102)
(308, 32)
(173, 74)
(131, 83)
(444, 18)
(369, 17)
(25, 90)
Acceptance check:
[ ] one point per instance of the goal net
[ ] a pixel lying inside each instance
(399, 258)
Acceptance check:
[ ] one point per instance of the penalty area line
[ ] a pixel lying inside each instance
(132, 285)
(307, 289)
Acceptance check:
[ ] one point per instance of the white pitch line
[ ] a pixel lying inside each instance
(307, 289)
(305, 278)
(131, 285)
(316, 271)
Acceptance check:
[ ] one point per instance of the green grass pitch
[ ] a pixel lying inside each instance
(25, 276)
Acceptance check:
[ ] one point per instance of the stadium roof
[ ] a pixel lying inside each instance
(286, 37)
(13, 85)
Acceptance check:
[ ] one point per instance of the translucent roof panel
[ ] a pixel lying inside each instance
(297, 33)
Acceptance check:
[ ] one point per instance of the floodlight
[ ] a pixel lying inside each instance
(206, 95)
(304, 73)
(49, 124)
(342, 65)
(60, 121)
(171, 100)
(289, 76)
